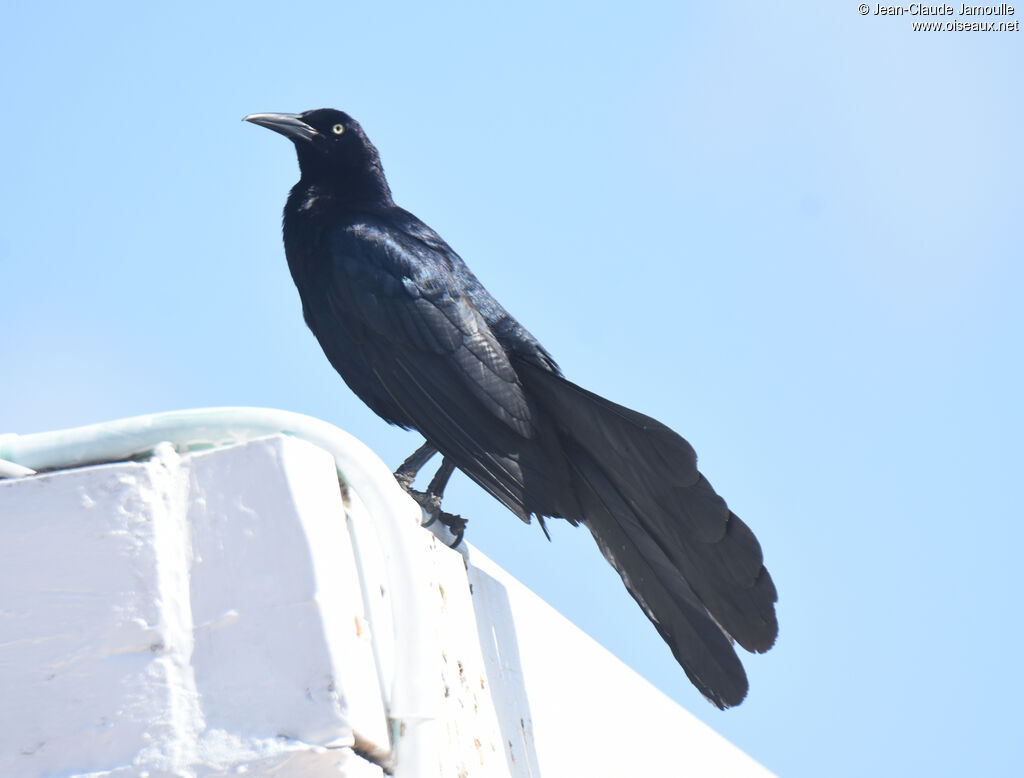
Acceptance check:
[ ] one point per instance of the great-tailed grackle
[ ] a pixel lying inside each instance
(417, 337)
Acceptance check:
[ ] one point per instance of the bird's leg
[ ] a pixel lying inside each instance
(432, 497)
(406, 472)
(430, 501)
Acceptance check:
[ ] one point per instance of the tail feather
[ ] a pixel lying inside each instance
(698, 644)
(656, 517)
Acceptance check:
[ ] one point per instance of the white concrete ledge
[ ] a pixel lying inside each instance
(234, 611)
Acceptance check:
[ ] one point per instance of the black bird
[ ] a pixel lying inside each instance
(417, 337)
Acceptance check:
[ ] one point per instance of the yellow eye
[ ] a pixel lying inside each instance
(337, 129)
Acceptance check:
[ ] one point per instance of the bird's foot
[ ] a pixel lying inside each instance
(405, 479)
(431, 505)
(428, 501)
(406, 472)
(456, 525)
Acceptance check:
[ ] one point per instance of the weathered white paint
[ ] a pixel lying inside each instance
(232, 612)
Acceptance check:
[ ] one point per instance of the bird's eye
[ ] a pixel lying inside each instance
(337, 129)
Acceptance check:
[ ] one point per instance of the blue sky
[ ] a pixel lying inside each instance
(791, 232)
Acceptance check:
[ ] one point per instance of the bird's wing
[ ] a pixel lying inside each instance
(433, 352)
(513, 336)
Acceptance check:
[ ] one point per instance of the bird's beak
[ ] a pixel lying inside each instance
(288, 124)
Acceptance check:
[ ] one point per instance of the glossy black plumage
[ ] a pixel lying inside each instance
(416, 336)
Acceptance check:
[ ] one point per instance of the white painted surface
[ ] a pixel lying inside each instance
(154, 620)
(228, 612)
(589, 714)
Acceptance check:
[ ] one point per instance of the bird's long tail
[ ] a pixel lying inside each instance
(693, 566)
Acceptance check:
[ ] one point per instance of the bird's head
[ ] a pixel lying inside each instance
(330, 144)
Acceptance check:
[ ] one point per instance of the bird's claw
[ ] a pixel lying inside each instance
(428, 501)
(431, 505)
(455, 524)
